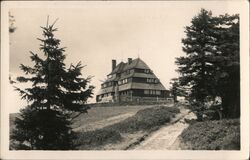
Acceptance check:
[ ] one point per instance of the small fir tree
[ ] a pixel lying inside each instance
(56, 94)
(177, 90)
(173, 90)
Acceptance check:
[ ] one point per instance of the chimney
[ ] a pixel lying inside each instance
(129, 60)
(113, 64)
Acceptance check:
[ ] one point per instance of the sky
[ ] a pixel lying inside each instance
(97, 32)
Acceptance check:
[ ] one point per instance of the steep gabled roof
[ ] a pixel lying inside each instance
(118, 68)
(122, 67)
(136, 63)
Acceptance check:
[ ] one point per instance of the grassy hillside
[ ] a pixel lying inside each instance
(95, 115)
(212, 135)
(119, 134)
(101, 113)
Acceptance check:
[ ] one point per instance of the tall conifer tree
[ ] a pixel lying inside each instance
(227, 61)
(196, 71)
(211, 66)
(55, 94)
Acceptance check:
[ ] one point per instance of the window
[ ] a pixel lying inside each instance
(146, 70)
(152, 92)
(158, 92)
(152, 80)
(110, 76)
(110, 83)
(124, 93)
(128, 71)
(123, 81)
(156, 81)
(107, 84)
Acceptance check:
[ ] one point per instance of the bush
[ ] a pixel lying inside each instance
(213, 135)
(93, 139)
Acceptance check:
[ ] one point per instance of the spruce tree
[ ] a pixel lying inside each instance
(56, 94)
(211, 64)
(196, 71)
(227, 61)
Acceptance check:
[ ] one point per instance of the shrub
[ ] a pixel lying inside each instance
(93, 139)
(213, 135)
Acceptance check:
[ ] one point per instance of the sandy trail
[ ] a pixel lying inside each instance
(164, 138)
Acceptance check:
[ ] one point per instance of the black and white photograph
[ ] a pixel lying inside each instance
(146, 79)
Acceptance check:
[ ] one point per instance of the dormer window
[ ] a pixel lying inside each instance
(146, 70)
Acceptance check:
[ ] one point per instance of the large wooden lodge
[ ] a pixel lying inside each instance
(131, 81)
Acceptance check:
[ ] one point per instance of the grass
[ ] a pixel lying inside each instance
(95, 139)
(96, 114)
(101, 113)
(144, 120)
(212, 135)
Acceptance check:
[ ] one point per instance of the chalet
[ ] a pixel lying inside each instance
(131, 81)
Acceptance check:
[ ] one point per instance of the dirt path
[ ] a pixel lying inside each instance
(164, 138)
(104, 123)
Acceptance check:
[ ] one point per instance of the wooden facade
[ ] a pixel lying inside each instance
(131, 81)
